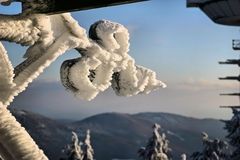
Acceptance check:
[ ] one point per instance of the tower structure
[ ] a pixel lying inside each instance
(236, 78)
(224, 12)
(235, 46)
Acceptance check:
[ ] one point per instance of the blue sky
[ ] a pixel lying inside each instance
(181, 44)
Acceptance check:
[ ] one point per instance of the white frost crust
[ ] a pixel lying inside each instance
(108, 54)
(18, 29)
(11, 132)
(6, 70)
(135, 80)
(104, 54)
(51, 44)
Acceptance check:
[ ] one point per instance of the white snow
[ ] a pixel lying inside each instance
(15, 142)
(73, 151)
(108, 60)
(105, 60)
(49, 43)
(6, 70)
(183, 157)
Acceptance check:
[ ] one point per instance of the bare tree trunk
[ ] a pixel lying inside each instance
(15, 142)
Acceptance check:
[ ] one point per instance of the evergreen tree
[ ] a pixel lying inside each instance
(88, 151)
(212, 150)
(73, 151)
(157, 147)
(233, 128)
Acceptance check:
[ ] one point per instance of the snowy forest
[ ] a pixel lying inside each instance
(104, 61)
(158, 147)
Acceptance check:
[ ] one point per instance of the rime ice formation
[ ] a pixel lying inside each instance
(106, 63)
(53, 36)
(48, 37)
(6, 71)
(15, 142)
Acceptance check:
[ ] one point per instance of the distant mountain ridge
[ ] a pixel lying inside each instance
(116, 135)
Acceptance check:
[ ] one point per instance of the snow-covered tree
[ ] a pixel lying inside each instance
(183, 157)
(73, 151)
(212, 150)
(233, 128)
(157, 147)
(78, 150)
(88, 151)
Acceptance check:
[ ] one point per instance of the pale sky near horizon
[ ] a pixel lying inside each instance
(181, 44)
